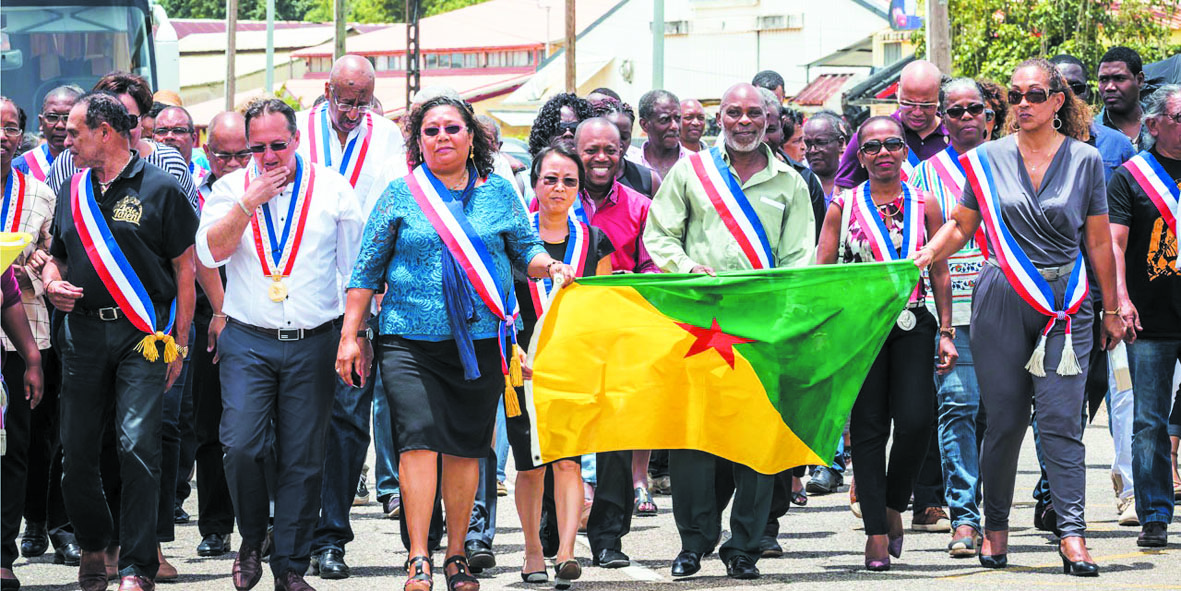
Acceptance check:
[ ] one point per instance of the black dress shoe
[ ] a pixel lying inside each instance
(1154, 534)
(35, 540)
(741, 567)
(214, 545)
(686, 563)
(608, 558)
(770, 548)
(479, 556)
(179, 515)
(69, 555)
(329, 564)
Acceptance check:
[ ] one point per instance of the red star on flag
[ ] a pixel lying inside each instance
(713, 338)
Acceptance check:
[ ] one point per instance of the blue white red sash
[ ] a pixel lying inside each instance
(14, 201)
(577, 211)
(913, 225)
(944, 176)
(1164, 193)
(577, 251)
(277, 253)
(39, 162)
(469, 250)
(1026, 280)
(322, 139)
(733, 207)
(912, 163)
(116, 271)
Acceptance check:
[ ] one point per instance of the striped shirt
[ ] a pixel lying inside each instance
(164, 157)
(36, 218)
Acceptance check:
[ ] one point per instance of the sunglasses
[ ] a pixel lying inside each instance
(164, 131)
(957, 111)
(821, 143)
(448, 129)
(568, 126)
(917, 105)
(1035, 96)
(568, 182)
(274, 146)
(872, 147)
(227, 156)
(1079, 88)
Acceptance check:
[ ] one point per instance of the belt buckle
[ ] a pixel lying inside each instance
(103, 314)
(290, 334)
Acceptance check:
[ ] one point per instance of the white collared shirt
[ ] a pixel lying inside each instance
(385, 144)
(331, 240)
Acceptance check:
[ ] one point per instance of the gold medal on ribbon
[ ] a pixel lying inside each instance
(277, 291)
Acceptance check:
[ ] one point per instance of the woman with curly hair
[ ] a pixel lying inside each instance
(558, 117)
(994, 100)
(1041, 195)
(446, 345)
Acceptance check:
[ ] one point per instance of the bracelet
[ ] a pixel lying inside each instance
(1116, 311)
(243, 208)
(50, 284)
(216, 315)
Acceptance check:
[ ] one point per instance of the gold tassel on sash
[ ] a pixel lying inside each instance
(513, 380)
(148, 348)
(514, 367)
(512, 405)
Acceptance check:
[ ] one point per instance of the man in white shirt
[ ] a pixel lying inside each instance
(278, 226)
(345, 134)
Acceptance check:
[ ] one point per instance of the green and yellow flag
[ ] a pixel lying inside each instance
(758, 367)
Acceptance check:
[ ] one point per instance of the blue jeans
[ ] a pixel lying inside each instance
(483, 522)
(501, 442)
(1152, 362)
(385, 472)
(348, 440)
(961, 427)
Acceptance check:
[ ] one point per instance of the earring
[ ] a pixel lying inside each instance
(1057, 122)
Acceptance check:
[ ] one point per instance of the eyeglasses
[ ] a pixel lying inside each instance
(917, 105)
(345, 107)
(872, 147)
(957, 111)
(568, 182)
(567, 126)
(274, 146)
(1035, 96)
(821, 143)
(1079, 88)
(55, 118)
(227, 156)
(989, 114)
(163, 131)
(1176, 117)
(13, 131)
(448, 129)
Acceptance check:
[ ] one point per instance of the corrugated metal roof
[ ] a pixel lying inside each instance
(817, 92)
(191, 26)
(391, 91)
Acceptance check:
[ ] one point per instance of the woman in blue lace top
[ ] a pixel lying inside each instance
(445, 343)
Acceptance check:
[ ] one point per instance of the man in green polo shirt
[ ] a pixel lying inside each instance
(730, 208)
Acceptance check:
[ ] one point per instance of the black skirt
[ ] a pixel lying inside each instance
(432, 406)
(519, 430)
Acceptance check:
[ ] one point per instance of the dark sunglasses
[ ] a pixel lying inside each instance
(957, 111)
(874, 146)
(448, 129)
(568, 126)
(1079, 88)
(1035, 96)
(552, 181)
(164, 131)
(274, 146)
(227, 156)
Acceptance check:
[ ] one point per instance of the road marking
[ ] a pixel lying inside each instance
(1098, 559)
(636, 571)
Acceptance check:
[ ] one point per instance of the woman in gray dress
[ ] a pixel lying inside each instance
(1040, 193)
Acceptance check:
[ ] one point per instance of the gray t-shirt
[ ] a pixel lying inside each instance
(1048, 223)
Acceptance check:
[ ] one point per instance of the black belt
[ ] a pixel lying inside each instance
(104, 314)
(286, 334)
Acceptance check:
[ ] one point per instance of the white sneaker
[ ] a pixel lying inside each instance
(1127, 512)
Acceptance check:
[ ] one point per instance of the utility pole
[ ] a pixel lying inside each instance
(939, 35)
(571, 33)
(231, 52)
(658, 44)
(269, 84)
(338, 37)
(413, 78)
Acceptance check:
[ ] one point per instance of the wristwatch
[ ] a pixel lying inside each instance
(949, 331)
(365, 333)
(183, 350)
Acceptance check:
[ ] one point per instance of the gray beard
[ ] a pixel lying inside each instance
(752, 146)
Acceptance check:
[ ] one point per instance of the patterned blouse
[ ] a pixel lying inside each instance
(401, 249)
(856, 247)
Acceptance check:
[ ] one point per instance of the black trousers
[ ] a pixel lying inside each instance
(928, 487)
(899, 393)
(611, 512)
(104, 378)
(214, 507)
(276, 395)
(16, 465)
(43, 488)
(702, 487)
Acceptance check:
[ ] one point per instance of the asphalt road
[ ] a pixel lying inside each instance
(822, 543)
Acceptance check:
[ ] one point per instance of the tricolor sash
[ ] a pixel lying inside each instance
(198, 173)
(944, 176)
(577, 249)
(912, 163)
(577, 211)
(1026, 280)
(14, 200)
(1160, 188)
(277, 252)
(322, 138)
(733, 207)
(469, 250)
(913, 228)
(116, 272)
(39, 162)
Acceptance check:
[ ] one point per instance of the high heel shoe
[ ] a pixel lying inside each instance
(895, 546)
(994, 560)
(877, 564)
(1077, 568)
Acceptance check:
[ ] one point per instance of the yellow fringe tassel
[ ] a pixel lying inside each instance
(512, 405)
(148, 348)
(516, 379)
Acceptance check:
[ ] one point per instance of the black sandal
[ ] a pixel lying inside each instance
(415, 582)
(462, 580)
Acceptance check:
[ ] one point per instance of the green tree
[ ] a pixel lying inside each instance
(285, 10)
(382, 11)
(990, 37)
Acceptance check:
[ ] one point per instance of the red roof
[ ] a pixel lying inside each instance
(818, 91)
(190, 26)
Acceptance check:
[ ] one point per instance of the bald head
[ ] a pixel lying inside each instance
(349, 91)
(744, 117)
(226, 143)
(55, 108)
(918, 96)
(596, 126)
(601, 150)
(352, 70)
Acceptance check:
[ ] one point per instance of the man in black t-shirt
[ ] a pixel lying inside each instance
(1142, 198)
(122, 271)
